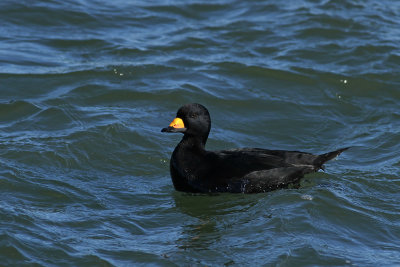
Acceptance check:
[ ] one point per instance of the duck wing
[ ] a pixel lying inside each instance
(280, 158)
(236, 163)
(268, 180)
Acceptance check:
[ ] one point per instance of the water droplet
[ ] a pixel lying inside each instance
(307, 197)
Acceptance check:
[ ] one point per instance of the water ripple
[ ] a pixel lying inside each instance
(86, 86)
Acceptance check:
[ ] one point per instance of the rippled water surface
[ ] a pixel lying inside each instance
(86, 86)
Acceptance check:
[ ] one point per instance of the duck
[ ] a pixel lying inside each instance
(194, 169)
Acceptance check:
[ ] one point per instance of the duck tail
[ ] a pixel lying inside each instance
(321, 159)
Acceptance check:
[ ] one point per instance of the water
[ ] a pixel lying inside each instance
(86, 86)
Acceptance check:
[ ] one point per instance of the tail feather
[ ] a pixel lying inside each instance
(321, 159)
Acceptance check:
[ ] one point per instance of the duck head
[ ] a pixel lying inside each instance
(193, 120)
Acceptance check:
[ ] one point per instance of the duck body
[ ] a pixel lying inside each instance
(246, 170)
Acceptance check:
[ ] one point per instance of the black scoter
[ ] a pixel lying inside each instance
(244, 170)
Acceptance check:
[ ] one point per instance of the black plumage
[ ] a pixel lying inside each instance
(245, 170)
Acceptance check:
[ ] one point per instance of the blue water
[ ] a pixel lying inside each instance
(86, 86)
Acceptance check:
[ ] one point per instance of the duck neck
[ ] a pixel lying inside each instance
(193, 142)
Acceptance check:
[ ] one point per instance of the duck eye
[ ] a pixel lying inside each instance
(193, 116)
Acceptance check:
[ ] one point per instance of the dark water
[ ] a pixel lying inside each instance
(86, 86)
